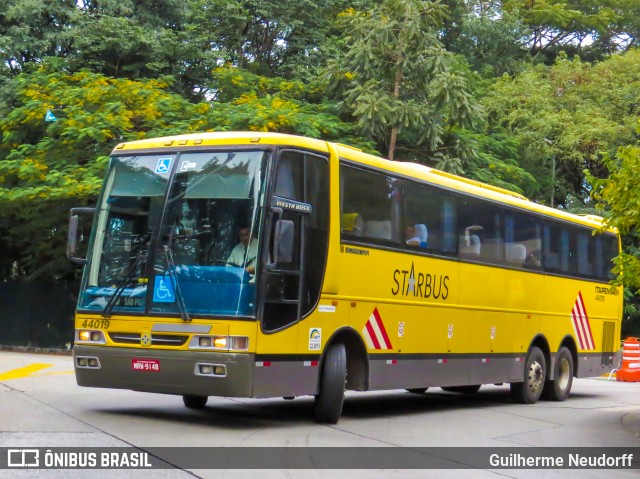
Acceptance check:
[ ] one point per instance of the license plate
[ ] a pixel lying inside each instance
(145, 365)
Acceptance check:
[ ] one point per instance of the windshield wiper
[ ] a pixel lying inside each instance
(171, 269)
(124, 283)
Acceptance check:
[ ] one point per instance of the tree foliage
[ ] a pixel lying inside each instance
(397, 81)
(590, 28)
(49, 167)
(571, 115)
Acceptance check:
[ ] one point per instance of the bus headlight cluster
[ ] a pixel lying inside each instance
(220, 343)
(89, 336)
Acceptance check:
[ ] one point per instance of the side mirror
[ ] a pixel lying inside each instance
(284, 241)
(72, 238)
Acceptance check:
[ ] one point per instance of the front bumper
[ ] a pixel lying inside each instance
(176, 374)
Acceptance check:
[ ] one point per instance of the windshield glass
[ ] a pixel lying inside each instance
(177, 235)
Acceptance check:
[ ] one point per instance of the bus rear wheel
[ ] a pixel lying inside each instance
(529, 391)
(560, 387)
(330, 398)
(462, 389)
(195, 402)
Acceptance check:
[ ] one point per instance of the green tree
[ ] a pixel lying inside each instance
(246, 101)
(397, 81)
(589, 28)
(268, 37)
(45, 168)
(33, 29)
(567, 118)
(133, 39)
(618, 198)
(490, 38)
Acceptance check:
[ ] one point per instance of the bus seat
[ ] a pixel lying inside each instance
(473, 248)
(422, 234)
(493, 249)
(352, 223)
(377, 229)
(515, 253)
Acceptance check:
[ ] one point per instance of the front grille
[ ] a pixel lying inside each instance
(156, 339)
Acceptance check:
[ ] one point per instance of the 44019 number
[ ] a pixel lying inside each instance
(96, 323)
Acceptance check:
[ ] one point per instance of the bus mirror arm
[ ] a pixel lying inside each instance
(72, 238)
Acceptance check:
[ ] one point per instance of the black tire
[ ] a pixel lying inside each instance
(195, 402)
(535, 372)
(330, 397)
(417, 390)
(462, 389)
(560, 388)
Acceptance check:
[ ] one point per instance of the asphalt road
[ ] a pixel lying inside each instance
(41, 406)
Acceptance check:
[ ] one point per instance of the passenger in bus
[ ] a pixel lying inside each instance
(410, 236)
(533, 259)
(245, 253)
(417, 235)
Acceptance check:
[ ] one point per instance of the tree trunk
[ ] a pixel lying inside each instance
(392, 142)
(396, 94)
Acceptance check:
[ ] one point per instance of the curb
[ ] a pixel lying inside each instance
(32, 350)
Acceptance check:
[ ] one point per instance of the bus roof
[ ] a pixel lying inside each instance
(222, 138)
(410, 170)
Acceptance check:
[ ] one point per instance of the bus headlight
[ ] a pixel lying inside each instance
(220, 343)
(89, 336)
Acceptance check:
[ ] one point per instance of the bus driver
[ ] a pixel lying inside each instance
(245, 253)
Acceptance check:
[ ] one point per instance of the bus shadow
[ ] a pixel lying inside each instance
(240, 414)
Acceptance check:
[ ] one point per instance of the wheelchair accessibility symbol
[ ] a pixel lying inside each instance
(163, 165)
(163, 290)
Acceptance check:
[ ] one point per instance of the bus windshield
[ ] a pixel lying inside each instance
(177, 235)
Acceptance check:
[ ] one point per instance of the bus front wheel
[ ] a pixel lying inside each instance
(560, 387)
(529, 391)
(195, 402)
(330, 398)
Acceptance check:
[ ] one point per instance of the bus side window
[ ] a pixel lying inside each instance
(523, 240)
(429, 218)
(368, 205)
(481, 231)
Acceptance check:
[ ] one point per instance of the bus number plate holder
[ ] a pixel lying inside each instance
(145, 365)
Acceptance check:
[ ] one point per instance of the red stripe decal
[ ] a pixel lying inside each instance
(592, 345)
(385, 336)
(372, 335)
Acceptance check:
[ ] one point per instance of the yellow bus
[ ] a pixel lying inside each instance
(245, 264)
